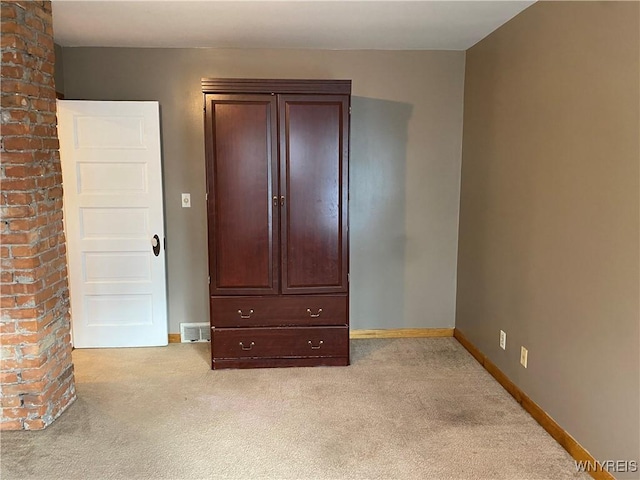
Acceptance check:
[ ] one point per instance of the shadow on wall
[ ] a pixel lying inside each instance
(377, 212)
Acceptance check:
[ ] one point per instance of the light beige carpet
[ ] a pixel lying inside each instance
(404, 409)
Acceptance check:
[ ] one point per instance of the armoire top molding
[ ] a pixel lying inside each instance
(252, 85)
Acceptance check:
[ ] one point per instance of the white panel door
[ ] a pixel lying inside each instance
(112, 179)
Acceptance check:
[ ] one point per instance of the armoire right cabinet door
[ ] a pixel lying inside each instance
(314, 133)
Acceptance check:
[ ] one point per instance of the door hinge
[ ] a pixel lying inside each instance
(206, 197)
(209, 279)
(348, 277)
(349, 110)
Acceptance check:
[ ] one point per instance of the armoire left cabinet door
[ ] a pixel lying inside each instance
(242, 169)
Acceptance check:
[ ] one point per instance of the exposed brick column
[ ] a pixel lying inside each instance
(36, 373)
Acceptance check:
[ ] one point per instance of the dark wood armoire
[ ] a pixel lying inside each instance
(277, 206)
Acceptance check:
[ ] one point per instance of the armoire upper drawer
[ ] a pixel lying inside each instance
(279, 311)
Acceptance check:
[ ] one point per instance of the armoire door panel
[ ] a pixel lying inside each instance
(313, 139)
(243, 223)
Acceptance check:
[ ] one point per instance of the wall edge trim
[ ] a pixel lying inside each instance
(379, 333)
(402, 333)
(566, 441)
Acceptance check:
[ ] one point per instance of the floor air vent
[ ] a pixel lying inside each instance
(195, 332)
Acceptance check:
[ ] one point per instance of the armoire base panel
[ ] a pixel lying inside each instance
(220, 364)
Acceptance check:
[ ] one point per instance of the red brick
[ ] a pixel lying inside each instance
(39, 78)
(17, 115)
(12, 364)
(10, 402)
(34, 424)
(18, 198)
(26, 250)
(7, 327)
(11, 425)
(17, 212)
(47, 91)
(25, 301)
(10, 99)
(24, 276)
(46, 41)
(9, 71)
(20, 338)
(18, 184)
(46, 182)
(22, 143)
(44, 130)
(18, 29)
(8, 377)
(43, 105)
(49, 67)
(34, 400)
(36, 50)
(44, 295)
(14, 129)
(34, 22)
(21, 388)
(8, 10)
(50, 143)
(22, 263)
(11, 40)
(30, 350)
(29, 374)
(20, 171)
(60, 392)
(46, 118)
(22, 314)
(21, 224)
(31, 326)
(18, 238)
(20, 288)
(53, 278)
(6, 277)
(19, 412)
(10, 56)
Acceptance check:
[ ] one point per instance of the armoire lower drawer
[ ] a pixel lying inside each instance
(280, 342)
(279, 310)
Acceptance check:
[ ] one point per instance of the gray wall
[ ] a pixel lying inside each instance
(549, 214)
(406, 136)
(59, 70)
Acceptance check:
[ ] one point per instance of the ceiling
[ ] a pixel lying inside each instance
(339, 25)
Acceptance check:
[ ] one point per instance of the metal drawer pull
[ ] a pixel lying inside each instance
(314, 315)
(245, 316)
(250, 346)
(316, 348)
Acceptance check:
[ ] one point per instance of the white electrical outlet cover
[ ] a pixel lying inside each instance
(503, 340)
(186, 200)
(524, 354)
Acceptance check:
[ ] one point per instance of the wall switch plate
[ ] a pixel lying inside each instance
(186, 200)
(524, 353)
(503, 340)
